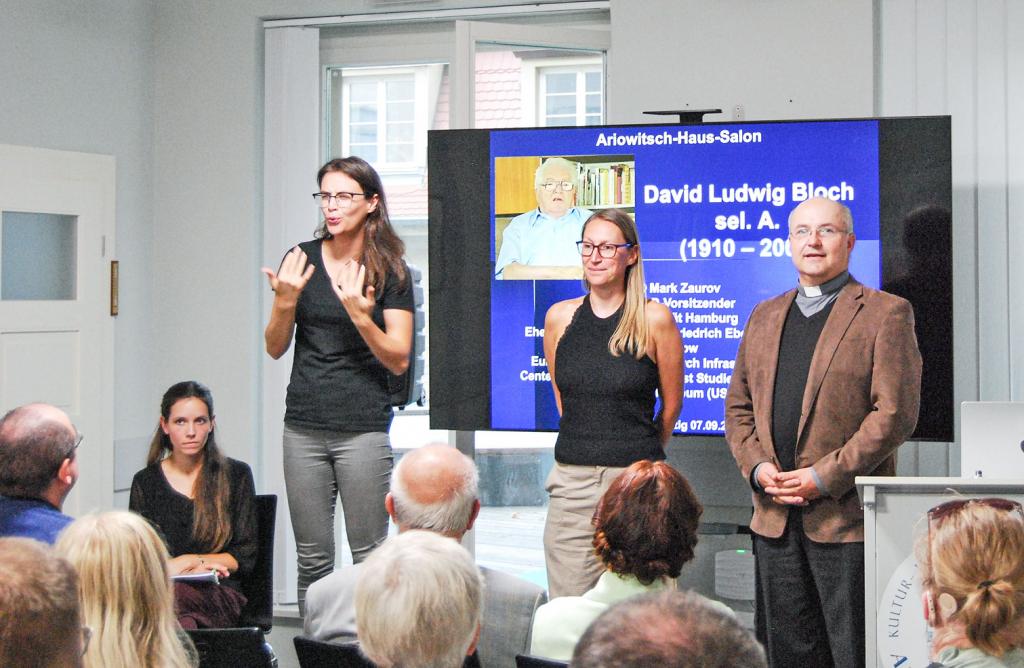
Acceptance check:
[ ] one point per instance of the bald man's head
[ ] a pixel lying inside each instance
(434, 488)
(36, 441)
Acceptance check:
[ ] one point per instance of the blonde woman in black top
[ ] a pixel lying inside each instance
(608, 353)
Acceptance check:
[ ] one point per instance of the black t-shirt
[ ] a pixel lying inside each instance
(607, 401)
(172, 514)
(337, 384)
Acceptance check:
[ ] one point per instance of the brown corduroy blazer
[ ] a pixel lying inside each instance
(860, 403)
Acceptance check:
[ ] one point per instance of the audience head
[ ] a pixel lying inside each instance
(669, 629)
(419, 602)
(186, 428)
(972, 574)
(124, 589)
(646, 523)
(37, 453)
(434, 488)
(39, 621)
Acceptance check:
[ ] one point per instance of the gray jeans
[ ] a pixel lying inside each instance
(318, 465)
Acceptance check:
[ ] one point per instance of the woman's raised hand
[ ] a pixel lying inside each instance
(349, 284)
(291, 278)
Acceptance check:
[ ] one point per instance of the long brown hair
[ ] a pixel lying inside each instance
(632, 332)
(382, 247)
(211, 523)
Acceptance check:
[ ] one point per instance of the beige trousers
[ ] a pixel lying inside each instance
(572, 566)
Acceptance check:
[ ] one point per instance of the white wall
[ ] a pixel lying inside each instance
(78, 76)
(966, 58)
(790, 59)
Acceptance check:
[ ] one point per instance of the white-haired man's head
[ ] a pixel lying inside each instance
(555, 183)
(435, 488)
(419, 602)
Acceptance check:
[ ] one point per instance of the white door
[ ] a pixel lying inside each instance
(56, 331)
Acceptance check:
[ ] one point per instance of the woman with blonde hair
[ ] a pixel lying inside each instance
(972, 566)
(125, 592)
(611, 354)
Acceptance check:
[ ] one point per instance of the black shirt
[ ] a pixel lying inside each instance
(607, 401)
(337, 384)
(172, 514)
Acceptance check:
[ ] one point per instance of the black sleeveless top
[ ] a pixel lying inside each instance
(607, 401)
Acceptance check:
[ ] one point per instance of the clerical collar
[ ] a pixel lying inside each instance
(828, 287)
(813, 299)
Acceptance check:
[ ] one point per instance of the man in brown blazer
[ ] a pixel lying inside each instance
(826, 387)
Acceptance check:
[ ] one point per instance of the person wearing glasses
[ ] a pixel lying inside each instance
(40, 624)
(203, 504)
(826, 387)
(972, 580)
(541, 243)
(609, 353)
(125, 594)
(38, 468)
(346, 298)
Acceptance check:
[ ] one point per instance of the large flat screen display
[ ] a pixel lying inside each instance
(711, 204)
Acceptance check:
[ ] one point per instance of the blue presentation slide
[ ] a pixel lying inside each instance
(711, 204)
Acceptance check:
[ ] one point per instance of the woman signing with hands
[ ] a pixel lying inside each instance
(346, 298)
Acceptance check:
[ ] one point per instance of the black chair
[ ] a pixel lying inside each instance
(232, 648)
(246, 645)
(258, 587)
(319, 654)
(527, 661)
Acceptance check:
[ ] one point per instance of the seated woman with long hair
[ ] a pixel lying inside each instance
(202, 503)
(972, 576)
(125, 594)
(645, 531)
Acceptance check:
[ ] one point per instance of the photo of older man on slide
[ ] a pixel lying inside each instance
(541, 243)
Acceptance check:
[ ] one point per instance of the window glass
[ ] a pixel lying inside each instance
(37, 256)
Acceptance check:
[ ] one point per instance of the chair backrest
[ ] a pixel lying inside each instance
(258, 587)
(316, 654)
(231, 648)
(527, 661)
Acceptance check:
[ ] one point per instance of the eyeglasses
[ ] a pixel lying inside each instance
(604, 250)
(86, 637)
(343, 199)
(79, 436)
(825, 232)
(564, 186)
